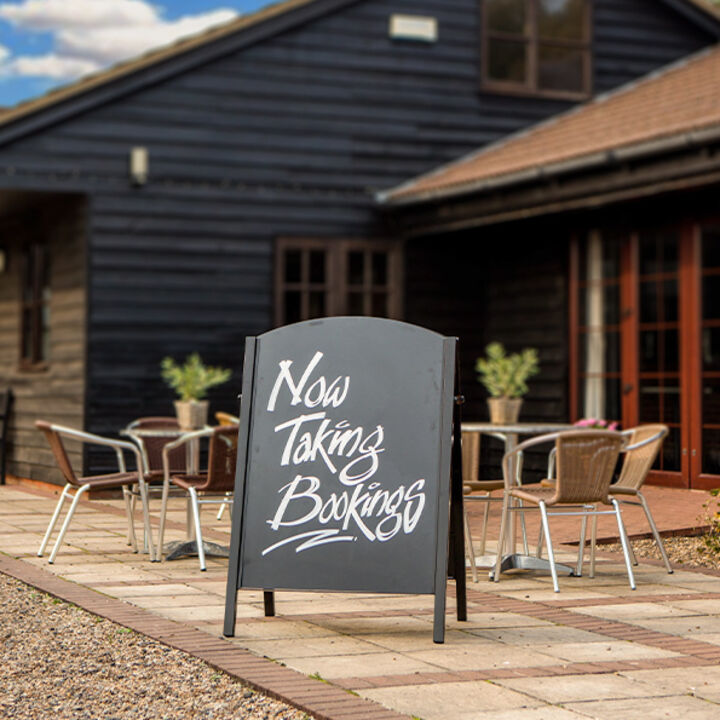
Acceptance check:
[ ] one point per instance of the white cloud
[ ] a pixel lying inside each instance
(91, 34)
(51, 66)
(59, 14)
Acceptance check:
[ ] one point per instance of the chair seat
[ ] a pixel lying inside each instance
(620, 490)
(186, 481)
(533, 493)
(482, 486)
(113, 480)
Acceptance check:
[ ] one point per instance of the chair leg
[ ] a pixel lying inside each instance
(66, 524)
(523, 530)
(222, 507)
(501, 537)
(624, 541)
(53, 520)
(541, 536)
(581, 545)
(593, 544)
(198, 532)
(469, 549)
(656, 534)
(548, 539)
(486, 518)
(163, 513)
(146, 519)
(129, 510)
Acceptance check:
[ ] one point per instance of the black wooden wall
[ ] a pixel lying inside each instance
(288, 137)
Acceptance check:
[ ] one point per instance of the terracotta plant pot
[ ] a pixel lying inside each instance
(504, 411)
(191, 414)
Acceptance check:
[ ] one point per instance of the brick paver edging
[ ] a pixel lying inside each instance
(321, 700)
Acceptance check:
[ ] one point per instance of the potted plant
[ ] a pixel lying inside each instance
(191, 381)
(505, 378)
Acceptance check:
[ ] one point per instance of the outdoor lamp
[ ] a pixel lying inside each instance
(139, 163)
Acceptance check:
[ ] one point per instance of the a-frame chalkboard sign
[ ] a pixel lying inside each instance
(344, 463)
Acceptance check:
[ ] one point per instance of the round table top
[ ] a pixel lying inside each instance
(158, 431)
(519, 428)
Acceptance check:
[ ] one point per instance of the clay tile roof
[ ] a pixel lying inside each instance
(676, 100)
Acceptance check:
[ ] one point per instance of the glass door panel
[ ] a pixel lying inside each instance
(710, 350)
(659, 386)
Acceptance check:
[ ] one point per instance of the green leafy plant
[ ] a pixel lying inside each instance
(506, 375)
(192, 379)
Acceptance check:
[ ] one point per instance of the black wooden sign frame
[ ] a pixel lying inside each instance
(248, 564)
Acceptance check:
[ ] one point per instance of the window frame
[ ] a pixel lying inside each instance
(337, 251)
(38, 254)
(533, 41)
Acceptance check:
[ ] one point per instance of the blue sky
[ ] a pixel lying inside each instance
(46, 43)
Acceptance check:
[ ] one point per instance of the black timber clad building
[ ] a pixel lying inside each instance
(267, 140)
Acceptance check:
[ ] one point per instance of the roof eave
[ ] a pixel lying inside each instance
(643, 149)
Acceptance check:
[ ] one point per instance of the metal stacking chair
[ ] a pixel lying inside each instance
(644, 443)
(472, 484)
(152, 446)
(128, 481)
(212, 486)
(585, 461)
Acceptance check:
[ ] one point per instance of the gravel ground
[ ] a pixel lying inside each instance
(686, 550)
(59, 661)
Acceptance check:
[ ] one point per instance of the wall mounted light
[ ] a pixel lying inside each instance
(3, 260)
(413, 27)
(139, 165)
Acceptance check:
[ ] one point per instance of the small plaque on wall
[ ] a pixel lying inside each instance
(413, 27)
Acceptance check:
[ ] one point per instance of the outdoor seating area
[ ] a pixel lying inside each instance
(596, 649)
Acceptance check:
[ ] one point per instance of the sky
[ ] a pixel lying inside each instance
(48, 43)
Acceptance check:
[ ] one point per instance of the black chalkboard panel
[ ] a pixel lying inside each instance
(344, 460)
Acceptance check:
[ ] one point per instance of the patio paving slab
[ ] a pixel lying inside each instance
(703, 682)
(477, 698)
(569, 688)
(665, 708)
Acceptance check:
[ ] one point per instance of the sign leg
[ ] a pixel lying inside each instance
(269, 602)
(439, 616)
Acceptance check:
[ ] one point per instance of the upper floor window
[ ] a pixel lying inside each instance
(35, 304)
(323, 277)
(537, 46)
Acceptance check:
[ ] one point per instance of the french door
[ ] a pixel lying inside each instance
(645, 308)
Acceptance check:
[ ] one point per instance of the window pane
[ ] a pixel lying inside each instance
(560, 69)
(45, 334)
(27, 334)
(293, 265)
(356, 268)
(563, 19)
(292, 306)
(711, 348)
(506, 15)
(612, 399)
(316, 304)
(711, 296)
(711, 247)
(379, 268)
(648, 302)
(379, 305)
(711, 452)
(671, 451)
(611, 305)
(612, 352)
(711, 401)
(317, 266)
(355, 304)
(507, 61)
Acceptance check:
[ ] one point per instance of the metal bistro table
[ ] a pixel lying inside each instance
(178, 548)
(510, 432)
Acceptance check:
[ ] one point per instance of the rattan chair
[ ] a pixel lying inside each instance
(224, 418)
(643, 445)
(152, 447)
(585, 461)
(212, 486)
(123, 479)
